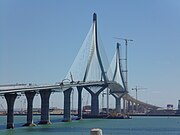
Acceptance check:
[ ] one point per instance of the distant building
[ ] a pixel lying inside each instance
(178, 110)
(178, 104)
(169, 106)
(55, 110)
(87, 109)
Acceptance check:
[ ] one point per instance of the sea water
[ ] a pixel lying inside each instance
(134, 126)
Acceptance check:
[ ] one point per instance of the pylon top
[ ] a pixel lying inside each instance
(94, 17)
(118, 44)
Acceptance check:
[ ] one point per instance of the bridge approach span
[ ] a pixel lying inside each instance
(139, 104)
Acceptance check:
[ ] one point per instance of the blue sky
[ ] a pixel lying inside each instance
(39, 40)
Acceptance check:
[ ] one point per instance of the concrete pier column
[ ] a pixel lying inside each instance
(95, 100)
(79, 102)
(128, 105)
(94, 103)
(124, 105)
(45, 95)
(29, 96)
(118, 104)
(137, 107)
(10, 99)
(133, 107)
(67, 105)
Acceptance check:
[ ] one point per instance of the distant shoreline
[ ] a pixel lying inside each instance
(175, 115)
(26, 114)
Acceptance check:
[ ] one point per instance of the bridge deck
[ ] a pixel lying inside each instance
(55, 87)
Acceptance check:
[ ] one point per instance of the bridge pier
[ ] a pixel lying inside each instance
(118, 104)
(67, 105)
(124, 105)
(95, 100)
(95, 104)
(79, 102)
(45, 95)
(132, 106)
(10, 99)
(29, 96)
(127, 105)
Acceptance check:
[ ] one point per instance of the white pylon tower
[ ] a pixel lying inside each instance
(95, 51)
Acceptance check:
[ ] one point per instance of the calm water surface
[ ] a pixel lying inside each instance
(134, 126)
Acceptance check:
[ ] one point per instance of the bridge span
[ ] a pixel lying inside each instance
(137, 106)
(10, 93)
(59, 87)
(95, 79)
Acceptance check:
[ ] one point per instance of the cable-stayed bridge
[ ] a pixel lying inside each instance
(89, 72)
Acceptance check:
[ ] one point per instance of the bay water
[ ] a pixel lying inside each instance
(135, 126)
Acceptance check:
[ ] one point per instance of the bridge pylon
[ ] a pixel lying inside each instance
(119, 78)
(95, 51)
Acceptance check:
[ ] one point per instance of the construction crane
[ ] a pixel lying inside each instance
(126, 70)
(136, 89)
